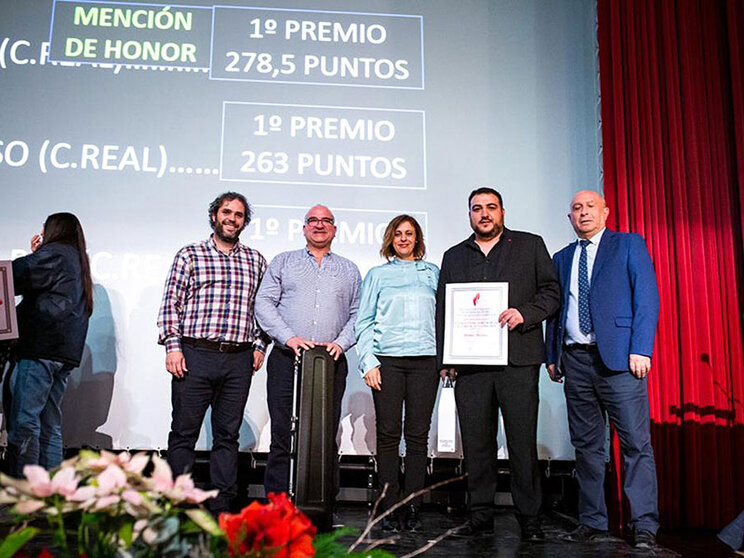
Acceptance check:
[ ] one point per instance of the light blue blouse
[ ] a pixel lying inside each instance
(396, 312)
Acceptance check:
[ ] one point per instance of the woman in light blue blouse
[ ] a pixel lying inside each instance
(397, 347)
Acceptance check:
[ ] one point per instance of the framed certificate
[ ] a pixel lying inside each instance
(472, 333)
(8, 323)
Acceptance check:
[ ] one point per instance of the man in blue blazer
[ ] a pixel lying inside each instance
(601, 342)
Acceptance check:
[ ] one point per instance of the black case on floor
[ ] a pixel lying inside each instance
(313, 458)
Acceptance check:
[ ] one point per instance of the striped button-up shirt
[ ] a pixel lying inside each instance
(211, 295)
(300, 298)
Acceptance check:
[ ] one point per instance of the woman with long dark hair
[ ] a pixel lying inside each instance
(57, 291)
(397, 358)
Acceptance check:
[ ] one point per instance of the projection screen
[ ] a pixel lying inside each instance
(136, 115)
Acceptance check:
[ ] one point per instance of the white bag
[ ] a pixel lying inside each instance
(447, 419)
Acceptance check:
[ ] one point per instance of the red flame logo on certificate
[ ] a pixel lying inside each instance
(475, 299)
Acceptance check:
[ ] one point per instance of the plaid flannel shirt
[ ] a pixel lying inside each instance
(211, 295)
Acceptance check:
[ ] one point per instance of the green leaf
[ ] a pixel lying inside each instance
(188, 527)
(126, 533)
(327, 545)
(324, 540)
(89, 518)
(88, 454)
(15, 541)
(204, 520)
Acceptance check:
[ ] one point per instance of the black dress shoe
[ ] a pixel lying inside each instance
(644, 539)
(413, 521)
(531, 530)
(471, 529)
(390, 524)
(584, 534)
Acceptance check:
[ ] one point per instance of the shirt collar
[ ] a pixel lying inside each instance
(472, 243)
(397, 260)
(236, 247)
(595, 239)
(309, 254)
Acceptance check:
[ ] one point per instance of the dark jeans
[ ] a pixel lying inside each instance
(479, 396)
(591, 390)
(413, 381)
(35, 414)
(279, 386)
(221, 380)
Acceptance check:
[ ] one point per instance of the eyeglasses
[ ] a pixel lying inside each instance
(325, 221)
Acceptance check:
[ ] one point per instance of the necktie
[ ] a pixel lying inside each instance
(585, 316)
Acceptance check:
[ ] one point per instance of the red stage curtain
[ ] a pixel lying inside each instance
(672, 86)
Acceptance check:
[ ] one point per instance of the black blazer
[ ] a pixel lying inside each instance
(534, 290)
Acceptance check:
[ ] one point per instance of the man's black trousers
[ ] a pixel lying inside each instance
(479, 395)
(220, 380)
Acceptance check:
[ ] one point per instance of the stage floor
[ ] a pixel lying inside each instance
(505, 542)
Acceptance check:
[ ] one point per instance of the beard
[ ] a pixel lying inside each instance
(220, 233)
(488, 234)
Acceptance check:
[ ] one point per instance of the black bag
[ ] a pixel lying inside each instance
(312, 467)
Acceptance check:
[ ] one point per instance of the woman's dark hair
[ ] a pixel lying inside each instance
(388, 252)
(66, 228)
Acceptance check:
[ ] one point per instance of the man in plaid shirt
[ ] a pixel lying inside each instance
(213, 342)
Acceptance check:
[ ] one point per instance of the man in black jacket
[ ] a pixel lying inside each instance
(495, 253)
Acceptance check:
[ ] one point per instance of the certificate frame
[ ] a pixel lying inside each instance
(472, 333)
(8, 319)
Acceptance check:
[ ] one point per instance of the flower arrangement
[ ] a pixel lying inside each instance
(113, 504)
(106, 505)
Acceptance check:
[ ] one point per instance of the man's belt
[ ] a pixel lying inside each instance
(219, 346)
(590, 347)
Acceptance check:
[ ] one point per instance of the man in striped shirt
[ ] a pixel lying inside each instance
(308, 297)
(213, 343)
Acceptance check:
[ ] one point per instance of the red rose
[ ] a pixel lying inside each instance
(276, 528)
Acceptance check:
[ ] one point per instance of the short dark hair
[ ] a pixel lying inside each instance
(229, 196)
(388, 252)
(485, 190)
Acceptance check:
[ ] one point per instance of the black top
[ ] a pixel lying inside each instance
(52, 319)
(520, 259)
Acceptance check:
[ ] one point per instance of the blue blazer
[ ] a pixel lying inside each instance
(624, 300)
